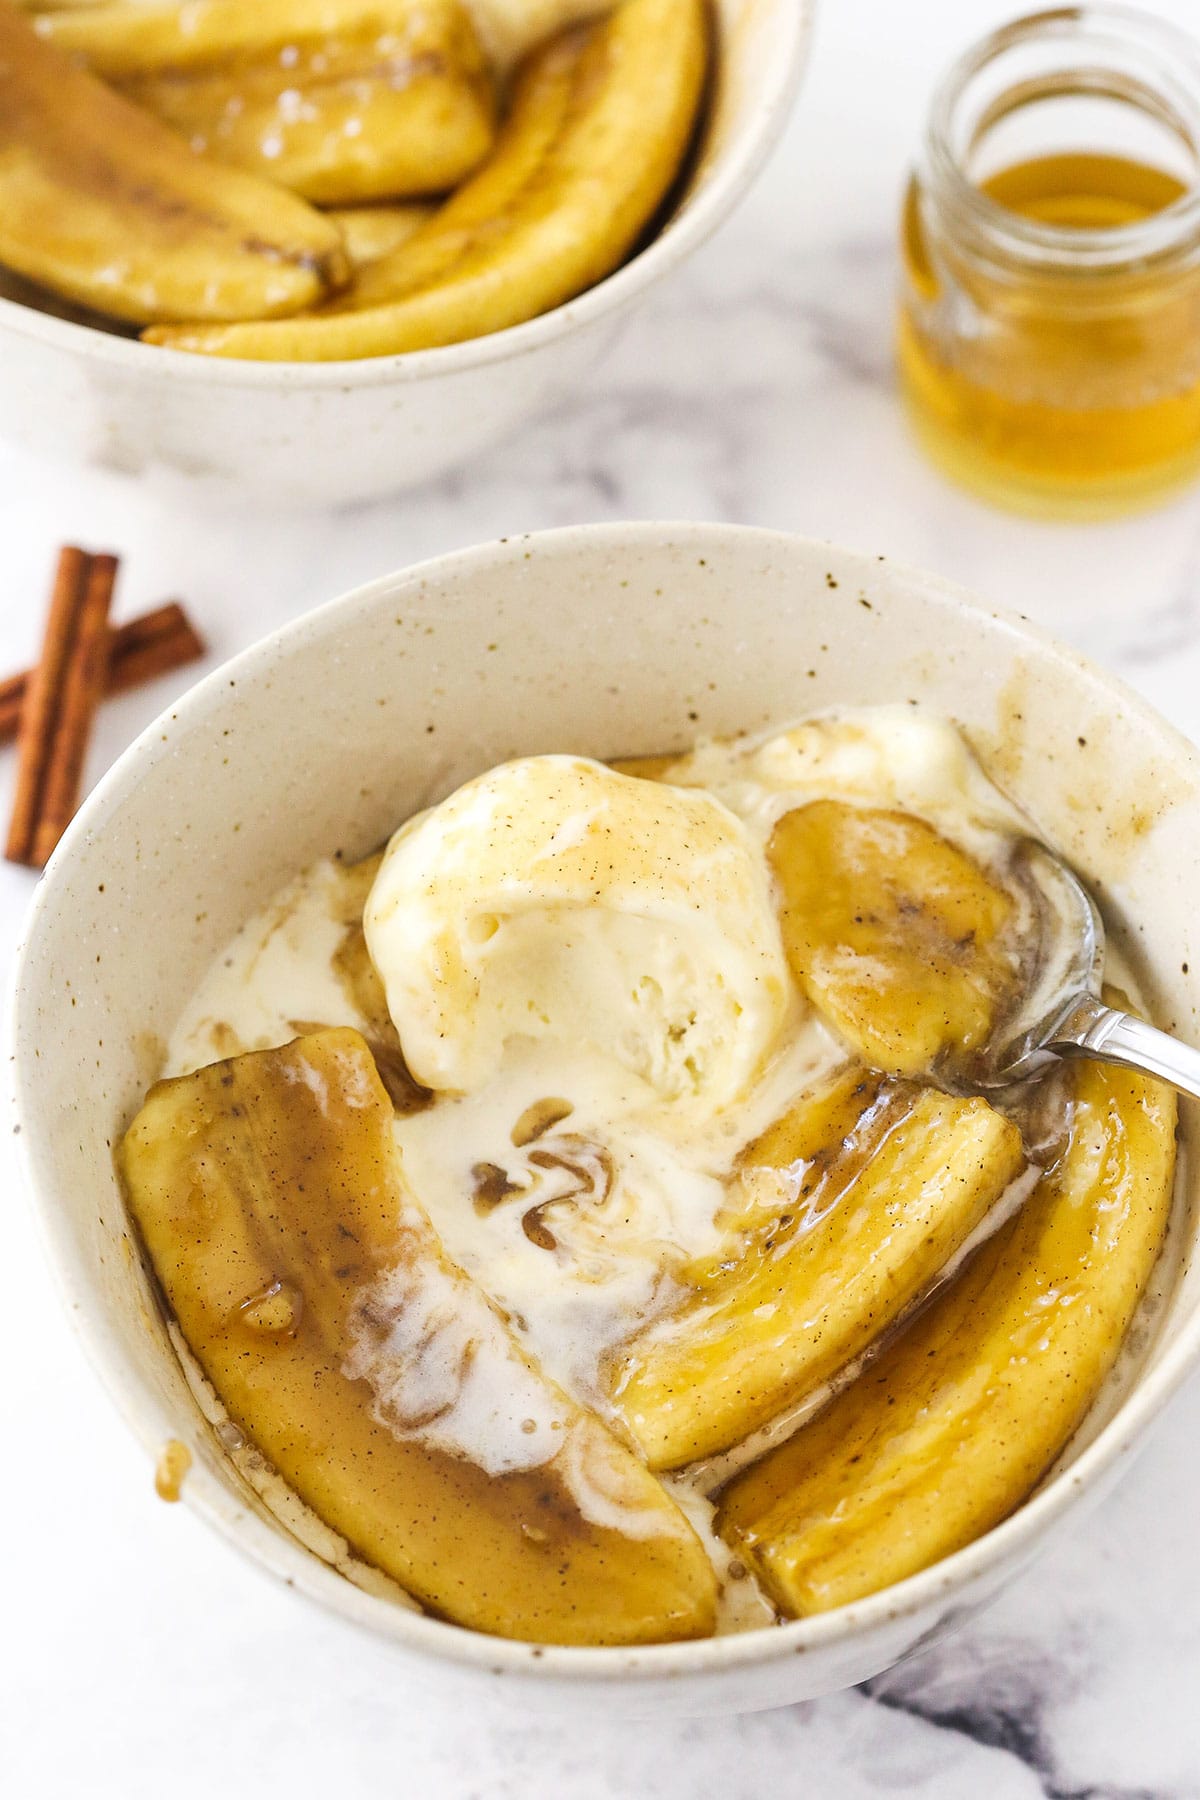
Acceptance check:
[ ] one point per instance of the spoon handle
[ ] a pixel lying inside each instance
(1093, 1029)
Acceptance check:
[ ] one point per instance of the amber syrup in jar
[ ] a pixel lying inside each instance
(1049, 325)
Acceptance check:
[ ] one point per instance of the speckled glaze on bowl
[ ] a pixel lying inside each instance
(605, 640)
(330, 433)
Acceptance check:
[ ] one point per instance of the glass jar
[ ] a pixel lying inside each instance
(1049, 329)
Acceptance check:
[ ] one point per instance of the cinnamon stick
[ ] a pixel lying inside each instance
(81, 689)
(153, 644)
(44, 700)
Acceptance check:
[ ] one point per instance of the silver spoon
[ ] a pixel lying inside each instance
(1063, 1015)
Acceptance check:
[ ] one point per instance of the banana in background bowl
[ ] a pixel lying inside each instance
(331, 433)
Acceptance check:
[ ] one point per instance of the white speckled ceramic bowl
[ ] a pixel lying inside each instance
(328, 433)
(603, 640)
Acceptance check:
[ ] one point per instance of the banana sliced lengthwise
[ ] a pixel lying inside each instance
(598, 128)
(316, 1297)
(948, 1431)
(107, 207)
(843, 1213)
(341, 100)
(899, 938)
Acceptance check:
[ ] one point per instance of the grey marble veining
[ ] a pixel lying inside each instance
(139, 1657)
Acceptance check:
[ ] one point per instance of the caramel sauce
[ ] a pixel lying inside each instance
(585, 1171)
(174, 1461)
(540, 1118)
(277, 1310)
(491, 1186)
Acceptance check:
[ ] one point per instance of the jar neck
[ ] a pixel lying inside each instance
(1133, 77)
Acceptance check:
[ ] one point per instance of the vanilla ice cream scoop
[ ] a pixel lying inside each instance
(555, 899)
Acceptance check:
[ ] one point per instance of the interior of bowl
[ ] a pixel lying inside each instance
(760, 56)
(606, 641)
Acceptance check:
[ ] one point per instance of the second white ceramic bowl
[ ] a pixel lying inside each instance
(329, 433)
(608, 641)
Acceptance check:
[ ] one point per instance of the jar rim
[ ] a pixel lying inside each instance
(1175, 226)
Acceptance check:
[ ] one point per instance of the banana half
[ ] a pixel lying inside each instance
(374, 1374)
(108, 208)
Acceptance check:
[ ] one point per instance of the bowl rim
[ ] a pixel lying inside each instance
(947, 1582)
(766, 116)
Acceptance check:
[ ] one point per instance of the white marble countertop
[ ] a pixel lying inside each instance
(139, 1657)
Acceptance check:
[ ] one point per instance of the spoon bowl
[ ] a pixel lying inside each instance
(1061, 1013)
(1065, 925)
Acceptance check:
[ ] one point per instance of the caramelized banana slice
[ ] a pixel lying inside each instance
(600, 122)
(897, 937)
(340, 100)
(106, 207)
(843, 1212)
(373, 1373)
(948, 1431)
